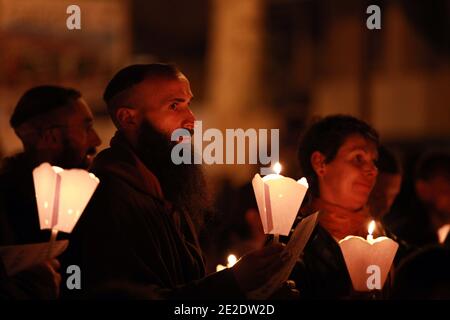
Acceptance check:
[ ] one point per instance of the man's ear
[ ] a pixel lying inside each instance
(51, 137)
(318, 163)
(127, 118)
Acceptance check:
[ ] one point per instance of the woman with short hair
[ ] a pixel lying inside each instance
(337, 155)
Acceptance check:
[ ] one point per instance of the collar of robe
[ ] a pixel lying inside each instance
(125, 164)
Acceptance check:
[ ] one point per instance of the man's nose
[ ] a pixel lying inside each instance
(190, 116)
(95, 139)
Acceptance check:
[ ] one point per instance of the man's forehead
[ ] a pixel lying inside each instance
(164, 88)
(80, 110)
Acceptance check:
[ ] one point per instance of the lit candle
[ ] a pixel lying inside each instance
(371, 229)
(61, 197)
(220, 267)
(366, 256)
(232, 259)
(277, 168)
(443, 233)
(279, 198)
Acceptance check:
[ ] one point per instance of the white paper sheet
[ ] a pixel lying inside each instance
(17, 258)
(295, 247)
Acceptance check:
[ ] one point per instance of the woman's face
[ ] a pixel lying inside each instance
(348, 179)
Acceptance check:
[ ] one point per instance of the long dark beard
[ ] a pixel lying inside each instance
(70, 157)
(183, 185)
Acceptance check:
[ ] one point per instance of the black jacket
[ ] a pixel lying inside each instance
(321, 273)
(28, 284)
(20, 209)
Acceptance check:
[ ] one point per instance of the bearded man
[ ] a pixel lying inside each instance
(55, 125)
(138, 235)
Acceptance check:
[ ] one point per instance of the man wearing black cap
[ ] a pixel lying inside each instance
(55, 126)
(139, 232)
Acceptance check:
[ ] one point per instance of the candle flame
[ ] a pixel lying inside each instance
(220, 267)
(371, 227)
(231, 260)
(277, 168)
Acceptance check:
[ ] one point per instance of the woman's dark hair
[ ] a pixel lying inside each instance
(327, 136)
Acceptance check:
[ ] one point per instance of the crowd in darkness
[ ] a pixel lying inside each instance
(151, 229)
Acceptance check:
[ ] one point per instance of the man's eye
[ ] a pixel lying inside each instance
(174, 106)
(359, 158)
